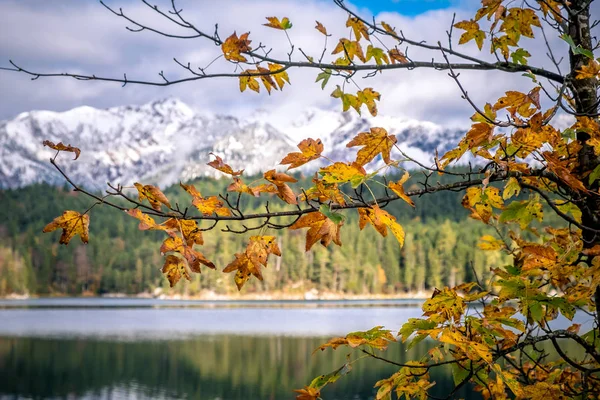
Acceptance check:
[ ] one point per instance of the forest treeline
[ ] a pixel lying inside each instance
(440, 249)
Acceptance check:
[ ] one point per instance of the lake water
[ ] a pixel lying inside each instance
(156, 349)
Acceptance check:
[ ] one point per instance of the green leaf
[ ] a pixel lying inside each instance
(568, 134)
(337, 218)
(324, 76)
(322, 380)
(530, 75)
(523, 212)
(415, 324)
(594, 175)
(519, 56)
(577, 49)
(459, 374)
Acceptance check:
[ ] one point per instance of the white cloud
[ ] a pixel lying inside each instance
(84, 37)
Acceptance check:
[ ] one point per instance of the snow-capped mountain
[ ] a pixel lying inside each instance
(165, 141)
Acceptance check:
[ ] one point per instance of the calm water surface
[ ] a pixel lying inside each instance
(151, 349)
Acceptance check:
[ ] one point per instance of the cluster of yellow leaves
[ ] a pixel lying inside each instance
(273, 77)
(366, 97)
(253, 259)
(409, 382)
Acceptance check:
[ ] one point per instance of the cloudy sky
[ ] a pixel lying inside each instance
(81, 36)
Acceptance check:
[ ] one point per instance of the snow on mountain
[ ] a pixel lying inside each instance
(165, 141)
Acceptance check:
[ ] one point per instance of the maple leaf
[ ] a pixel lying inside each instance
(489, 9)
(311, 149)
(358, 27)
(267, 79)
(340, 172)
(388, 28)
(239, 186)
(233, 46)
(194, 258)
(146, 221)
(350, 48)
(348, 100)
(153, 194)
(480, 133)
(207, 206)
(256, 255)
(368, 96)
(275, 23)
(324, 77)
(381, 220)
(520, 103)
(399, 189)
(519, 21)
(218, 163)
(188, 228)
(279, 74)
(248, 80)
(589, 71)
(63, 147)
(378, 54)
(472, 32)
(72, 223)
(324, 192)
(279, 179)
(308, 393)
(488, 117)
(174, 268)
(559, 167)
(375, 142)
(502, 43)
(321, 229)
(396, 56)
(321, 28)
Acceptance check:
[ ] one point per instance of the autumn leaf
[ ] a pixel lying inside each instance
(348, 100)
(519, 21)
(349, 48)
(368, 96)
(239, 186)
(310, 149)
(275, 23)
(267, 79)
(251, 261)
(375, 142)
(358, 27)
(279, 179)
(388, 28)
(396, 56)
(153, 194)
(589, 71)
(376, 337)
(188, 228)
(146, 221)
(340, 172)
(381, 221)
(321, 229)
(279, 74)
(324, 192)
(174, 268)
(378, 54)
(233, 46)
(321, 28)
(488, 117)
(397, 188)
(72, 223)
(218, 163)
(207, 206)
(308, 393)
(472, 32)
(63, 147)
(248, 80)
(193, 257)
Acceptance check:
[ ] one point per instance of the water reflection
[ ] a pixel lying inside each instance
(226, 367)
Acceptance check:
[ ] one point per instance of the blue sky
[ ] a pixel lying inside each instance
(404, 7)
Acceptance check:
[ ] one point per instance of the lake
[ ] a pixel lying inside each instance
(160, 349)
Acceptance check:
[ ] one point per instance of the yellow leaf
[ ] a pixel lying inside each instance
(340, 172)
(321, 229)
(146, 221)
(233, 46)
(218, 163)
(153, 194)
(279, 74)
(358, 27)
(72, 223)
(381, 220)
(248, 80)
(174, 268)
(275, 23)
(472, 32)
(368, 96)
(207, 206)
(350, 48)
(397, 188)
(512, 188)
(63, 147)
(375, 142)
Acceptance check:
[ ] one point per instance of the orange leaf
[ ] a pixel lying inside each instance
(189, 230)
(207, 206)
(311, 149)
(381, 220)
(275, 23)
(396, 56)
(174, 267)
(375, 142)
(218, 163)
(63, 147)
(321, 229)
(321, 28)
(399, 189)
(153, 194)
(146, 221)
(72, 223)
(284, 192)
(233, 46)
(308, 393)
